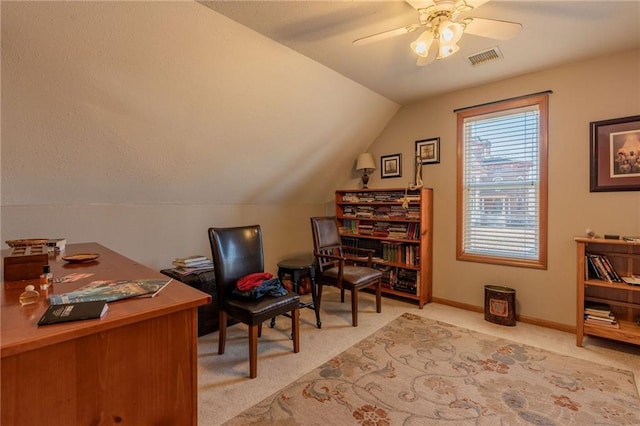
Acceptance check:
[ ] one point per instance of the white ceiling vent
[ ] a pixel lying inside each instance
(485, 56)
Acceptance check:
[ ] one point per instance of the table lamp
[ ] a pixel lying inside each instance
(365, 162)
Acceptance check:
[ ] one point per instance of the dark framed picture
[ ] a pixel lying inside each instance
(428, 150)
(390, 166)
(615, 154)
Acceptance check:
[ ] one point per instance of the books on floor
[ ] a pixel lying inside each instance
(68, 312)
(111, 291)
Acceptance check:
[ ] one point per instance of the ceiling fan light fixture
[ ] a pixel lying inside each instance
(450, 32)
(445, 50)
(422, 44)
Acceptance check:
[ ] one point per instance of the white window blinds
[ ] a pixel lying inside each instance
(501, 185)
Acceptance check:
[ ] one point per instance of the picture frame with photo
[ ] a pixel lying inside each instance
(391, 166)
(615, 154)
(428, 150)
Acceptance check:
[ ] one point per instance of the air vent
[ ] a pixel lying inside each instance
(485, 56)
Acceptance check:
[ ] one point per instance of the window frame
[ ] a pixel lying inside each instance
(542, 103)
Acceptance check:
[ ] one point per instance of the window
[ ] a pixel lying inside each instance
(502, 183)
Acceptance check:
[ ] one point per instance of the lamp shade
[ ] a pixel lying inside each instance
(422, 44)
(365, 162)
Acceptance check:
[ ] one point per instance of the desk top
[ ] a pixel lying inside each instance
(19, 330)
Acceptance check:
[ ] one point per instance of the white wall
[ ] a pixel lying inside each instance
(141, 124)
(599, 89)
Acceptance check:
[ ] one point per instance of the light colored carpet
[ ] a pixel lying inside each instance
(417, 371)
(226, 391)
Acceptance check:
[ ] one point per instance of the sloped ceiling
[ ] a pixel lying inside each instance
(170, 102)
(553, 33)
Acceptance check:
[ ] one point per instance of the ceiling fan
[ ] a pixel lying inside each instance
(443, 22)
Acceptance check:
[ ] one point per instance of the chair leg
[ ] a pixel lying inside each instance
(342, 295)
(295, 329)
(253, 351)
(260, 330)
(354, 307)
(222, 331)
(379, 296)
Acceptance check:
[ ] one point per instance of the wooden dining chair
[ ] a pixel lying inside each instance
(237, 252)
(335, 268)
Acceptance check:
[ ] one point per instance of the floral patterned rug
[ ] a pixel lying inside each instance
(416, 371)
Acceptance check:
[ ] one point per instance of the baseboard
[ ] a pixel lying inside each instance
(529, 320)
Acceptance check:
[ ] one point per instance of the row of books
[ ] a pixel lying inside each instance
(408, 254)
(382, 212)
(399, 230)
(399, 279)
(600, 266)
(379, 197)
(385, 251)
(599, 314)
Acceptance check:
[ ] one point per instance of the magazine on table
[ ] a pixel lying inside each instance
(112, 290)
(73, 312)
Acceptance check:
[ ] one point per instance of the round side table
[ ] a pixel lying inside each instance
(299, 267)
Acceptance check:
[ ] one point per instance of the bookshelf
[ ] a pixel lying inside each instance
(399, 232)
(623, 298)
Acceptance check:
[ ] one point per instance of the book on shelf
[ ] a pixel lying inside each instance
(601, 322)
(601, 268)
(111, 290)
(599, 314)
(631, 239)
(67, 312)
(598, 309)
(632, 280)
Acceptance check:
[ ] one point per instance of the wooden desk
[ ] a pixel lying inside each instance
(136, 366)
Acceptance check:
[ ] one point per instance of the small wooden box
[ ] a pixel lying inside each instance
(25, 263)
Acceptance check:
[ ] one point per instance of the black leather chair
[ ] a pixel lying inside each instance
(237, 252)
(335, 268)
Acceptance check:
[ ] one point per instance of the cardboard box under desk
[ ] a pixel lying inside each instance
(24, 263)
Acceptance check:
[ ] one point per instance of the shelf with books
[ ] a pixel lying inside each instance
(603, 266)
(397, 225)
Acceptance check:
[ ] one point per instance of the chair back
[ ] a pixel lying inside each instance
(236, 252)
(326, 240)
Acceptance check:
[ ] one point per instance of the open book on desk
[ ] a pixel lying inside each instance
(111, 291)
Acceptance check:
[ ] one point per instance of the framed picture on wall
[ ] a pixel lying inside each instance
(390, 166)
(428, 150)
(615, 154)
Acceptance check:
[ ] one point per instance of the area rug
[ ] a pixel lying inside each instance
(417, 371)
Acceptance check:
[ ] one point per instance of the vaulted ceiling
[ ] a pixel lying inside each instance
(553, 33)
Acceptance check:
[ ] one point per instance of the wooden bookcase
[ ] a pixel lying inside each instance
(397, 225)
(623, 298)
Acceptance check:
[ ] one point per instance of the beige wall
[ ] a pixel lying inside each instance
(594, 90)
(140, 124)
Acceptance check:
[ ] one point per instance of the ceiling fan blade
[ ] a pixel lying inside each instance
(386, 34)
(476, 3)
(420, 4)
(423, 4)
(499, 30)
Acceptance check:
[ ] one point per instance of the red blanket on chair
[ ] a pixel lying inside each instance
(250, 281)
